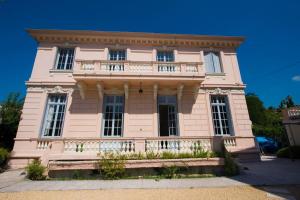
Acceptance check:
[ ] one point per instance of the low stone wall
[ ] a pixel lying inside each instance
(66, 169)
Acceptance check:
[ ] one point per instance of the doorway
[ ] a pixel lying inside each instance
(167, 111)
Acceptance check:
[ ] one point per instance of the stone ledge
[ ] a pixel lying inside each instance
(131, 164)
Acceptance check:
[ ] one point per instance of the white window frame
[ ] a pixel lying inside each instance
(164, 55)
(114, 104)
(169, 100)
(66, 59)
(55, 114)
(220, 105)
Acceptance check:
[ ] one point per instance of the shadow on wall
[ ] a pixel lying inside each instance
(138, 103)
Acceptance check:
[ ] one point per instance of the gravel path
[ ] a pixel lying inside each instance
(241, 193)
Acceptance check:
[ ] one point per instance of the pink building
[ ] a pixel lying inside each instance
(92, 92)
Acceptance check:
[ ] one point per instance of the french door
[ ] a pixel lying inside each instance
(167, 108)
(113, 116)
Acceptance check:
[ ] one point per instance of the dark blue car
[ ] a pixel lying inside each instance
(266, 145)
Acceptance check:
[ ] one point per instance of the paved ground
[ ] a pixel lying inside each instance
(271, 172)
(237, 192)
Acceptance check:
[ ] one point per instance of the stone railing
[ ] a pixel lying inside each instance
(177, 145)
(97, 145)
(99, 66)
(43, 144)
(229, 141)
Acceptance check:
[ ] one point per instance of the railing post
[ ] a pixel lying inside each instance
(140, 145)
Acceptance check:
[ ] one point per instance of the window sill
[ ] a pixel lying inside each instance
(60, 71)
(215, 74)
(50, 137)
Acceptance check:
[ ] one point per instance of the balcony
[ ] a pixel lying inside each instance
(137, 70)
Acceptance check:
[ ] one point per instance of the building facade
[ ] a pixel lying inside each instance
(291, 122)
(91, 92)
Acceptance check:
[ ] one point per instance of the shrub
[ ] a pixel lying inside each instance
(168, 171)
(230, 167)
(168, 155)
(112, 166)
(289, 152)
(4, 154)
(151, 155)
(283, 153)
(134, 156)
(200, 153)
(35, 170)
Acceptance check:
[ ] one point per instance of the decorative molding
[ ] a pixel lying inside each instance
(58, 90)
(196, 91)
(179, 91)
(100, 89)
(82, 89)
(155, 90)
(126, 90)
(220, 91)
(127, 38)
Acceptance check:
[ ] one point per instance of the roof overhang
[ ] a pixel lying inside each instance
(134, 38)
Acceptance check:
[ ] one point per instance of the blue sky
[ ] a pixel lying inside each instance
(269, 59)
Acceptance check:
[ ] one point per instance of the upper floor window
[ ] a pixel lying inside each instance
(221, 115)
(212, 62)
(165, 56)
(65, 57)
(54, 115)
(117, 55)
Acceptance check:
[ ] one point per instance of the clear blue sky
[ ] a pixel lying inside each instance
(269, 59)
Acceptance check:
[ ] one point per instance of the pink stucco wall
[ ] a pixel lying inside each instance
(83, 118)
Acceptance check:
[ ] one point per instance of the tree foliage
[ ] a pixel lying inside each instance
(287, 102)
(10, 113)
(266, 122)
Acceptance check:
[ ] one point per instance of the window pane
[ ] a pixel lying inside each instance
(220, 115)
(65, 59)
(54, 115)
(113, 106)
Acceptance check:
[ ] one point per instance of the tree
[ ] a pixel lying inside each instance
(287, 102)
(10, 113)
(266, 122)
(256, 109)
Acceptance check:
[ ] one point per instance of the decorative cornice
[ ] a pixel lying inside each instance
(219, 91)
(57, 89)
(134, 38)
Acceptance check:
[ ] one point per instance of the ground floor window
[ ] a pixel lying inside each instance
(167, 108)
(113, 115)
(220, 115)
(54, 115)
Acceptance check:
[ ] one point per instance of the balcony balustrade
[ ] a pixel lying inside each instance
(141, 68)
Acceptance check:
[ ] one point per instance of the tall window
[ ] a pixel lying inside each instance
(54, 115)
(65, 57)
(116, 55)
(113, 116)
(221, 115)
(165, 56)
(212, 62)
